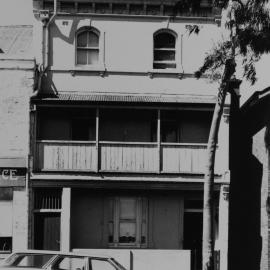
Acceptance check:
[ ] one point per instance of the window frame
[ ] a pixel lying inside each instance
(174, 34)
(6, 239)
(87, 30)
(140, 203)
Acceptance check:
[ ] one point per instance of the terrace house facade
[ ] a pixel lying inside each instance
(119, 127)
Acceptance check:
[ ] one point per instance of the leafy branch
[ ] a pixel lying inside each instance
(251, 23)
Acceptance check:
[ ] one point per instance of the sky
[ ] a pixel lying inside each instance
(16, 12)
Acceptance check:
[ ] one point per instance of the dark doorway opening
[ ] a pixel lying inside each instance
(47, 231)
(193, 224)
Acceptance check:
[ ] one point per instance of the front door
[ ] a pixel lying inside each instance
(47, 231)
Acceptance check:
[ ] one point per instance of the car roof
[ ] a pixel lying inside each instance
(84, 254)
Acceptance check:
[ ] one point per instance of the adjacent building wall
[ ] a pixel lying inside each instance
(16, 77)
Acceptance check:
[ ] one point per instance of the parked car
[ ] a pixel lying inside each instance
(49, 260)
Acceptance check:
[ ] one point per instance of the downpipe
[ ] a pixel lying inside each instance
(42, 68)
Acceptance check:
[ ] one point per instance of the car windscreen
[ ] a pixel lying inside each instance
(28, 260)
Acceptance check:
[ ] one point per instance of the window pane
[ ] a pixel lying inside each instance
(81, 57)
(164, 55)
(164, 65)
(83, 129)
(143, 236)
(110, 236)
(164, 40)
(127, 208)
(82, 39)
(35, 260)
(101, 265)
(5, 244)
(170, 131)
(70, 263)
(127, 232)
(92, 56)
(93, 39)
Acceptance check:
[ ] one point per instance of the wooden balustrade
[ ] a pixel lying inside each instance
(183, 158)
(129, 157)
(120, 157)
(66, 156)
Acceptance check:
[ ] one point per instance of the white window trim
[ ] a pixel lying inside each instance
(100, 65)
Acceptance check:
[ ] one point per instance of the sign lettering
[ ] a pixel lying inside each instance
(12, 177)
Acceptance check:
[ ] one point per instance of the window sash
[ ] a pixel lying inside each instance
(164, 65)
(89, 56)
(88, 47)
(164, 51)
(140, 223)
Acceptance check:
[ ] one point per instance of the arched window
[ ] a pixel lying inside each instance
(87, 47)
(164, 50)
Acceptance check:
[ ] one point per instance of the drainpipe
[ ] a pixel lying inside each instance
(42, 68)
(47, 25)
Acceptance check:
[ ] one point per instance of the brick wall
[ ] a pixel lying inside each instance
(15, 88)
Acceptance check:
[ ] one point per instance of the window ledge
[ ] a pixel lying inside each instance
(98, 67)
(175, 72)
(95, 69)
(103, 71)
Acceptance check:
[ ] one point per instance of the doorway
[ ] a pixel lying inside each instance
(47, 231)
(193, 225)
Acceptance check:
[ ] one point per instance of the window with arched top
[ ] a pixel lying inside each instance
(87, 47)
(164, 50)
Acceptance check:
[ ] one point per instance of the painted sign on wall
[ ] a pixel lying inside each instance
(12, 177)
(12, 172)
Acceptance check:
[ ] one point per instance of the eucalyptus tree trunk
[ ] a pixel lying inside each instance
(208, 205)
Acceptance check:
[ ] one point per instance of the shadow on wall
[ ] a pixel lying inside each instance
(48, 86)
(245, 243)
(68, 38)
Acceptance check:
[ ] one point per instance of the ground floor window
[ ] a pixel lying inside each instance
(6, 214)
(5, 244)
(128, 221)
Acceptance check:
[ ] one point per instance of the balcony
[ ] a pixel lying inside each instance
(131, 157)
(122, 141)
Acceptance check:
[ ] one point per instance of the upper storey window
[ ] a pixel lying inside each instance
(87, 47)
(164, 50)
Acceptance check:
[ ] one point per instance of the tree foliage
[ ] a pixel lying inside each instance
(251, 26)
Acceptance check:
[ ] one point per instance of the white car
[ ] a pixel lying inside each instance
(49, 260)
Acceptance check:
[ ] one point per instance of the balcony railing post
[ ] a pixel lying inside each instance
(158, 142)
(97, 140)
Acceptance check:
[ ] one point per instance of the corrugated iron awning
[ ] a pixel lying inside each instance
(129, 98)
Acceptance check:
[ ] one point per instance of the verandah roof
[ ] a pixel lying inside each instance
(120, 98)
